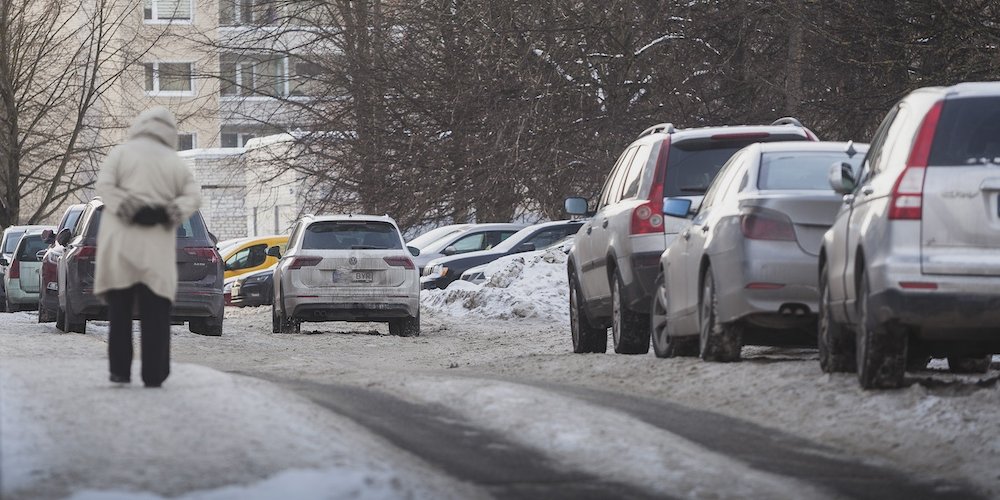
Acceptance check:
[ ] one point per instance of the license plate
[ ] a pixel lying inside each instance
(363, 276)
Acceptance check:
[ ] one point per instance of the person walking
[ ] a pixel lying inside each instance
(147, 192)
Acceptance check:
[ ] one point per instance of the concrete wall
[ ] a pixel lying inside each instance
(223, 189)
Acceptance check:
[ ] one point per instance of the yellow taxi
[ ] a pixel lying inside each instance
(247, 255)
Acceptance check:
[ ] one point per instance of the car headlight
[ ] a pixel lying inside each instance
(227, 287)
(440, 270)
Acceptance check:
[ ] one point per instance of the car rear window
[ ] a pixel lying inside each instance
(12, 238)
(348, 235)
(800, 170)
(968, 132)
(32, 244)
(189, 234)
(694, 163)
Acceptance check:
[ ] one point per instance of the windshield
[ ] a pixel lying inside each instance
(800, 170)
(968, 133)
(12, 238)
(351, 235)
(433, 235)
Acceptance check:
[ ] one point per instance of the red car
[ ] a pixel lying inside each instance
(48, 288)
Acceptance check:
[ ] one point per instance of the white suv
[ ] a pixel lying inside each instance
(346, 268)
(911, 267)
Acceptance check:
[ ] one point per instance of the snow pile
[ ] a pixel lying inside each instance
(527, 285)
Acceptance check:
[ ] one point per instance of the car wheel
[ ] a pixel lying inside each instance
(586, 338)
(61, 320)
(211, 327)
(979, 364)
(836, 343)
(881, 349)
(630, 330)
(716, 341)
(44, 314)
(665, 346)
(405, 327)
(275, 320)
(10, 306)
(79, 326)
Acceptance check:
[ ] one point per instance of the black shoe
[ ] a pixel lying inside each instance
(118, 379)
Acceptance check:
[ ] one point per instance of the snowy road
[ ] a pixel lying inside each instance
(473, 408)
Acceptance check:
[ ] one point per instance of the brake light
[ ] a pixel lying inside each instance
(300, 262)
(767, 226)
(208, 253)
(907, 200)
(648, 217)
(399, 261)
(14, 271)
(87, 253)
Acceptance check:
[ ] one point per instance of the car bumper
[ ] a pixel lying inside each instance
(434, 282)
(251, 295)
(771, 283)
(375, 307)
(936, 315)
(188, 305)
(18, 296)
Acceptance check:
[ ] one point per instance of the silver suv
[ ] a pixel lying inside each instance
(911, 267)
(346, 268)
(616, 255)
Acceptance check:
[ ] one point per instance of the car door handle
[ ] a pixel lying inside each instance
(589, 229)
(605, 223)
(867, 190)
(704, 228)
(686, 234)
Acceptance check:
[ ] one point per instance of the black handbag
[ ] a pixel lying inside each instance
(150, 216)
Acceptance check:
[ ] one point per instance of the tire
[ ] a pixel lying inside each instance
(881, 349)
(275, 320)
(665, 346)
(60, 320)
(835, 342)
(586, 337)
(979, 364)
(405, 327)
(629, 329)
(76, 326)
(10, 306)
(716, 341)
(211, 327)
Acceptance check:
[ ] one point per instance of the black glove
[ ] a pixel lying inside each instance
(128, 208)
(150, 216)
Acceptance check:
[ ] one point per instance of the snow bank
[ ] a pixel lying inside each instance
(527, 285)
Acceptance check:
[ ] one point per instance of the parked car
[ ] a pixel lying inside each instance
(346, 268)
(911, 267)
(21, 279)
(462, 239)
(253, 289)
(742, 271)
(480, 274)
(440, 272)
(199, 273)
(616, 255)
(247, 255)
(48, 298)
(11, 235)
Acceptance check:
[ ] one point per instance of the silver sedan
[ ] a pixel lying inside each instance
(744, 270)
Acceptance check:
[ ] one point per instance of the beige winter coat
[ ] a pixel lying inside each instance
(147, 167)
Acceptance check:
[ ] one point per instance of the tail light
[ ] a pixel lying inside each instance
(208, 253)
(399, 261)
(87, 253)
(907, 199)
(14, 271)
(773, 226)
(300, 262)
(648, 217)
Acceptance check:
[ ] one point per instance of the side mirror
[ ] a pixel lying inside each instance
(576, 205)
(40, 255)
(414, 251)
(677, 207)
(64, 236)
(842, 178)
(450, 250)
(48, 237)
(526, 247)
(3, 262)
(274, 252)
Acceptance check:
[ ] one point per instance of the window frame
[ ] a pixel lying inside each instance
(155, 19)
(194, 140)
(156, 80)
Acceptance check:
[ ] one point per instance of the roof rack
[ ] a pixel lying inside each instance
(667, 128)
(788, 120)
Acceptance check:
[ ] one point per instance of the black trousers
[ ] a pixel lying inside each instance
(154, 319)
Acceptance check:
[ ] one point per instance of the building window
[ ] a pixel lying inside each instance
(176, 78)
(236, 139)
(166, 10)
(185, 142)
(237, 12)
(245, 76)
(304, 79)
